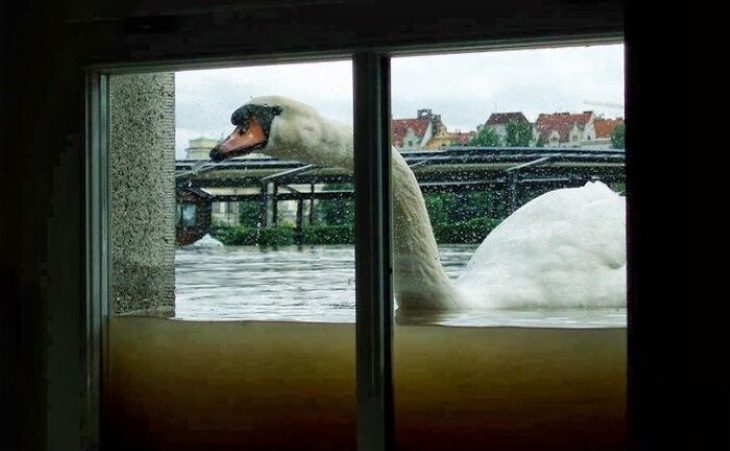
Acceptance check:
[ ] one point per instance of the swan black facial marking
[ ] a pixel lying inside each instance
(243, 118)
(264, 115)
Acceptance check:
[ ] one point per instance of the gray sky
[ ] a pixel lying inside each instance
(463, 88)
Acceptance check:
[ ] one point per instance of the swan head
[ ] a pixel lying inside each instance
(286, 129)
(253, 126)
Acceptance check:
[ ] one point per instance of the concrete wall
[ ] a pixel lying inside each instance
(143, 191)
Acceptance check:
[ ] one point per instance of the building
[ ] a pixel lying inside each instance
(426, 131)
(604, 130)
(414, 134)
(199, 148)
(566, 129)
(497, 122)
(446, 138)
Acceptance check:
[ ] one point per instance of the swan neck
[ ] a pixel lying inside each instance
(420, 282)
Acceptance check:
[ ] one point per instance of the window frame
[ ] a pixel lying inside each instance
(371, 98)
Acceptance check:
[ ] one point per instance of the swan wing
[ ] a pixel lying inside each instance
(565, 248)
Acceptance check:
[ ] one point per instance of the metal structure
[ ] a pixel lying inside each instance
(509, 171)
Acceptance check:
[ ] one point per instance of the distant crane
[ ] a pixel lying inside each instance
(606, 104)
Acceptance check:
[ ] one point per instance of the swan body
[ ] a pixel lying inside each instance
(563, 249)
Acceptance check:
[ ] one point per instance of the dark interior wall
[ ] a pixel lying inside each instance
(45, 46)
(41, 232)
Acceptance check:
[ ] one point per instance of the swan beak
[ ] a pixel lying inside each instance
(244, 140)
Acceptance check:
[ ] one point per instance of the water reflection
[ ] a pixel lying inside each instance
(317, 284)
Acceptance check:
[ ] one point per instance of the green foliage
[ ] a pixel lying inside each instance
(619, 188)
(283, 236)
(463, 206)
(472, 231)
(276, 236)
(618, 137)
(251, 236)
(541, 142)
(249, 213)
(341, 234)
(485, 137)
(336, 211)
(450, 208)
(435, 207)
(216, 223)
(455, 217)
(236, 236)
(519, 134)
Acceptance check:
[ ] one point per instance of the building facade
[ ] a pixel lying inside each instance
(566, 129)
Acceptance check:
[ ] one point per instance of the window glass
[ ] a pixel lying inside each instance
(233, 328)
(188, 215)
(509, 261)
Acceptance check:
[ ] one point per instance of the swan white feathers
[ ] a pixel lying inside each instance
(563, 249)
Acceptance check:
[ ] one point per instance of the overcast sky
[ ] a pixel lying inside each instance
(463, 88)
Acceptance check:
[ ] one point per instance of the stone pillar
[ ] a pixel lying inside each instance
(143, 191)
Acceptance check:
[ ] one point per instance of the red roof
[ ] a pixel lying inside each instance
(504, 118)
(604, 127)
(562, 123)
(399, 128)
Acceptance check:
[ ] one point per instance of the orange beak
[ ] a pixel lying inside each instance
(244, 140)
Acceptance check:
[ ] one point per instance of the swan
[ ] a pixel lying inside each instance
(563, 249)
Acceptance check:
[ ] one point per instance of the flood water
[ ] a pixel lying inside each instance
(317, 284)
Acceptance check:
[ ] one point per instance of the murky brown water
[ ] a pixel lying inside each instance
(228, 385)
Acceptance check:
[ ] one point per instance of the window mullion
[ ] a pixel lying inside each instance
(374, 295)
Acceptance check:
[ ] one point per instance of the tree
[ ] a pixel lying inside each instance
(435, 206)
(541, 142)
(618, 137)
(485, 137)
(519, 134)
(249, 213)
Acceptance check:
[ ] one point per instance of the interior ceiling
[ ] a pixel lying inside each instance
(95, 10)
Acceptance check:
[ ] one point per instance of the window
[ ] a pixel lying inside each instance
(452, 390)
(269, 372)
(186, 298)
(186, 214)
